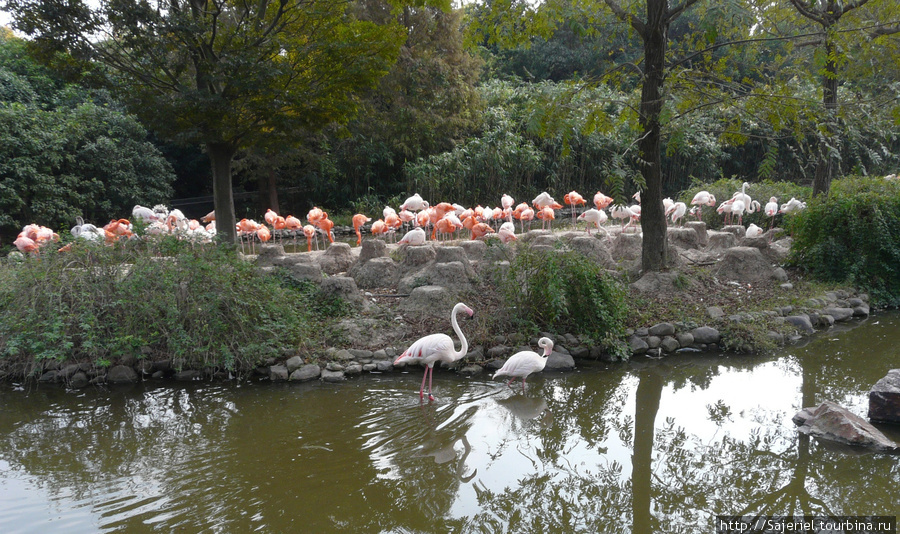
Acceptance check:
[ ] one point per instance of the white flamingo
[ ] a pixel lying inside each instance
(437, 347)
(595, 217)
(522, 364)
(414, 237)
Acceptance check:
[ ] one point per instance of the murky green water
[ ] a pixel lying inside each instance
(649, 446)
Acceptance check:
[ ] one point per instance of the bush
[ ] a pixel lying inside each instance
(852, 236)
(563, 291)
(204, 307)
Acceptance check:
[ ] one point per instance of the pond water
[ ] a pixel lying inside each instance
(646, 446)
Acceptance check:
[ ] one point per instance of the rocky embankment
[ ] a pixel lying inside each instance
(407, 284)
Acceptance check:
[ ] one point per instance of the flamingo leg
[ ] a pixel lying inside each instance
(523, 383)
(430, 376)
(422, 389)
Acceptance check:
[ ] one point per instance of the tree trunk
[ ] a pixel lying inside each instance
(647, 396)
(268, 191)
(220, 156)
(824, 167)
(653, 218)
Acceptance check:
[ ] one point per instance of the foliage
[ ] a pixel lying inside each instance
(85, 161)
(564, 291)
(723, 189)
(204, 307)
(852, 236)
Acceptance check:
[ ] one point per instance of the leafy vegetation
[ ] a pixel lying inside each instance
(564, 291)
(724, 188)
(852, 236)
(203, 308)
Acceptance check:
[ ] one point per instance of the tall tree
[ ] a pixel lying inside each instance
(654, 31)
(223, 73)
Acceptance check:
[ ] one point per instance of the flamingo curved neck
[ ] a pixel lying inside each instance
(464, 349)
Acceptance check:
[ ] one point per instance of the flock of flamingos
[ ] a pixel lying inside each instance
(445, 220)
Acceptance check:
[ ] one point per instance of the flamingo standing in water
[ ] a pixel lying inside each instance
(522, 364)
(437, 347)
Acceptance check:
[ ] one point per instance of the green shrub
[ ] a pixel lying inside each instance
(204, 307)
(563, 291)
(852, 236)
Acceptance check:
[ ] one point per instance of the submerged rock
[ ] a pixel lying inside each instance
(833, 422)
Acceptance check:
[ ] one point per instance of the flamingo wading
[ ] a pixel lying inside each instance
(522, 364)
(437, 347)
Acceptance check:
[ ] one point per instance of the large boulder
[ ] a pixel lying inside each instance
(746, 265)
(337, 258)
(627, 246)
(832, 422)
(376, 272)
(371, 249)
(342, 287)
(683, 237)
(433, 301)
(593, 249)
(884, 399)
(720, 240)
(121, 374)
(657, 283)
(475, 249)
(700, 228)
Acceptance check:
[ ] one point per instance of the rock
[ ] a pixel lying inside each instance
(332, 376)
(627, 247)
(342, 287)
(337, 258)
(840, 314)
(861, 311)
(669, 344)
(475, 250)
(744, 265)
(429, 300)
(593, 249)
(884, 399)
(736, 230)
(662, 329)
(658, 282)
(305, 271)
(685, 339)
(79, 380)
(780, 274)
(560, 362)
(383, 366)
(188, 375)
(638, 346)
(471, 370)
(500, 351)
(802, 322)
(270, 254)
(760, 242)
(721, 240)
(49, 376)
(293, 363)
(353, 369)
(832, 422)
(371, 249)
(700, 228)
(653, 342)
(278, 373)
(705, 335)
(121, 374)
(454, 275)
(683, 237)
(377, 272)
(715, 312)
(415, 257)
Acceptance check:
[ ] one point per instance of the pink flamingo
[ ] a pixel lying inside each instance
(522, 364)
(437, 347)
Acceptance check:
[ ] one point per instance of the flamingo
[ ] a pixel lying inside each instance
(742, 194)
(507, 232)
(209, 217)
(677, 211)
(703, 198)
(481, 230)
(358, 220)
(414, 237)
(414, 203)
(753, 231)
(522, 364)
(146, 215)
(378, 227)
(595, 216)
(637, 197)
(437, 347)
(444, 226)
(602, 201)
(90, 232)
(574, 199)
(544, 200)
(25, 244)
(507, 202)
(546, 215)
(625, 213)
(792, 205)
(310, 231)
(772, 209)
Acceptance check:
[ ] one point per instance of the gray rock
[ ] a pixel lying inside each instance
(371, 249)
(787, 286)
(49, 376)
(802, 322)
(415, 257)
(685, 339)
(334, 366)
(683, 237)
(760, 242)
(332, 376)
(826, 321)
(855, 301)
(475, 250)
(383, 366)
(337, 258)
(593, 249)
(79, 380)
(361, 354)
(744, 265)
(278, 373)
(705, 335)
(776, 337)
(500, 351)
(653, 342)
(306, 271)
(471, 370)
(121, 374)
(884, 399)
(669, 344)
(840, 314)
(786, 310)
(736, 230)
(377, 272)
(188, 375)
(560, 362)
(432, 301)
(700, 228)
(780, 274)
(715, 312)
(353, 369)
(369, 367)
(294, 363)
(829, 421)
(342, 287)
(662, 329)
(721, 240)
(627, 247)
(638, 346)
(306, 372)
(657, 282)
(861, 311)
